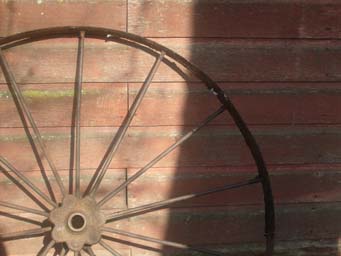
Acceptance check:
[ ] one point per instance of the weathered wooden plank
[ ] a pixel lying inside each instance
(238, 224)
(310, 185)
(55, 60)
(298, 19)
(220, 226)
(11, 193)
(51, 104)
(258, 60)
(164, 183)
(282, 248)
(20, 16)
(176, 104)
(19, 222)
(33, 245)
(235, 19)
(224, 60)
(213, 146)
(29, 247)
(290, 185)
(258, 103)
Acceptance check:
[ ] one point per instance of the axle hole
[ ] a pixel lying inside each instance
(77, 222)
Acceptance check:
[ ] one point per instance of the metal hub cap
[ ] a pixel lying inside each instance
(77, 222)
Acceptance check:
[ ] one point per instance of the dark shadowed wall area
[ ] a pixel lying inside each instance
(279, 61)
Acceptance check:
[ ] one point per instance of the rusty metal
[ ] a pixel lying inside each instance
(63, 251)
(109, 248)
(162, 242)
(160, 156)
(78, 93)
(22, 108)
(6, 165)
(25, 233)
(24, 209)
(47, 248)
(165, 203)
(123, 129)
(78, 222)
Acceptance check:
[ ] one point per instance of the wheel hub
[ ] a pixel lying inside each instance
(77, 222)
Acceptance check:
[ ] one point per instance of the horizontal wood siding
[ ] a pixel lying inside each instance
(280, 63)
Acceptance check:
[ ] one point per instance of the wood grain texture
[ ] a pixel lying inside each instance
(299, 184)
(176, 104)
(258, 103)
(282, 248)
(213, 146)
(236, 224)
(278, 60)
(191, 224)
(51, 104)
(44, 179)
(223, 60)
(235, 19)
(31, 246)
(199, 226)
(20, 16)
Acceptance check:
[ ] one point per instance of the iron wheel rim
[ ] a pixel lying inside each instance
(169, 58)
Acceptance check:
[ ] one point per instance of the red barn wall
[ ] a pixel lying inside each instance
(280, 61)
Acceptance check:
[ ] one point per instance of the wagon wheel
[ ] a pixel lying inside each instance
(76, 223)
